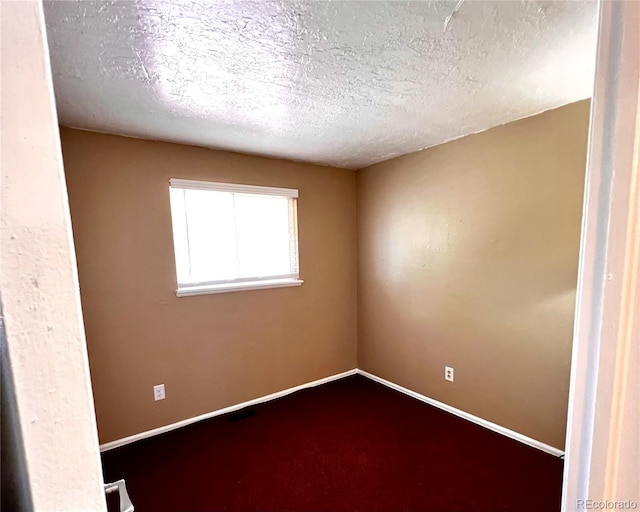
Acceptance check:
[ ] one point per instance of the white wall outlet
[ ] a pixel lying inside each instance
(448, 373)
(158, 392)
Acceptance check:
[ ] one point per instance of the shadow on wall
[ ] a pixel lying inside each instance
(14, 489)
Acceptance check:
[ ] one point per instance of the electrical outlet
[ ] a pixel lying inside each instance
(158, 392)
(448, 373)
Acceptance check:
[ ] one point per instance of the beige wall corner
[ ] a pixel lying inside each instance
(603, 441)
(468, 257)
(210, 351)
(45, 371)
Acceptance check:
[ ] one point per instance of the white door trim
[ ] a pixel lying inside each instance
(55, 463)
(607, 306)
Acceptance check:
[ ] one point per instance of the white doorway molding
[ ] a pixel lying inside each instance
(603, 430)
(54, 463)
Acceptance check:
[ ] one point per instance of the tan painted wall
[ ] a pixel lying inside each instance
(467, 257)
(210, 351)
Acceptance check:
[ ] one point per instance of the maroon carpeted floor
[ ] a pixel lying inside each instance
(351, 445)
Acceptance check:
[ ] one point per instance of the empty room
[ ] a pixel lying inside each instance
(327, 252)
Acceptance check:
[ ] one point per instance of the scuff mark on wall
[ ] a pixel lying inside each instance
(450, 17)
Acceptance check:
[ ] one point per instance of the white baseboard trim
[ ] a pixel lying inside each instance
(465, 415)
(168, 428)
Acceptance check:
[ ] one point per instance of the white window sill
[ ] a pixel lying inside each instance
(187, 291)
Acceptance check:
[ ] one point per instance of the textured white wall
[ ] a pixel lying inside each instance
(38, 280)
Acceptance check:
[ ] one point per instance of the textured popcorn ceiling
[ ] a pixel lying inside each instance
(343, 83)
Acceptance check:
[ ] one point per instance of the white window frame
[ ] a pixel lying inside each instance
(252, 283)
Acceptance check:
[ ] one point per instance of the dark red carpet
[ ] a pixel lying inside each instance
(351, 445)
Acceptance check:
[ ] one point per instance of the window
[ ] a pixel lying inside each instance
(233, 237)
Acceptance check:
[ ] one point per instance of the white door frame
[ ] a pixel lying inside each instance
(602, 457)
(54, 459)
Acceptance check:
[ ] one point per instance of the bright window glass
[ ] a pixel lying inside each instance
(233, 234)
